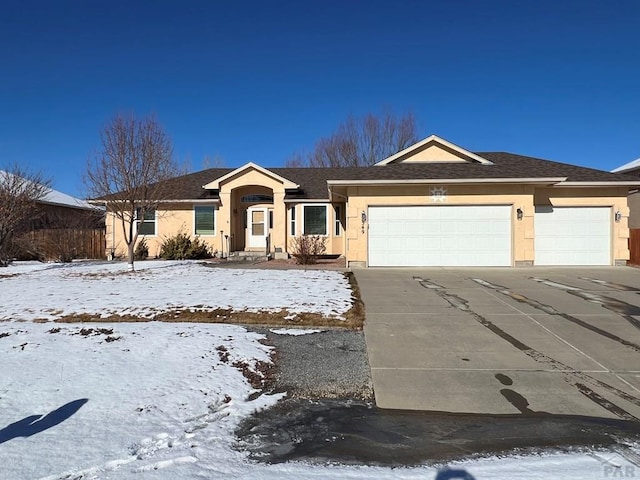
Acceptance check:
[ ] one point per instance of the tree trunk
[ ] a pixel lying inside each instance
(131, 256)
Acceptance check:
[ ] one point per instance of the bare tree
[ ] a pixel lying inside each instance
(213, 162)
(20, 191)
(361, 142)
(129, 176)
(296, 160)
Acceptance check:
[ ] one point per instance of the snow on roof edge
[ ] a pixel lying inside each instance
(55, 197)
(627, 166)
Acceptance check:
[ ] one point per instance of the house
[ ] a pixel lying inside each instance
(60, 227)
(432, 204)
(59, 210)
(632, 169)
(64, 228)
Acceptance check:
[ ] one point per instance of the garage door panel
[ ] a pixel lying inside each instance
(440, 236)
(572, 235)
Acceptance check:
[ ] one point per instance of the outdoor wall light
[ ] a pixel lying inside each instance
(363, 217)
(519, 214)
(617, 216)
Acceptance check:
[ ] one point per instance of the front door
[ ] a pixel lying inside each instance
(257, 227)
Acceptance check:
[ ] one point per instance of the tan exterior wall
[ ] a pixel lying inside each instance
(434, 153)
(524, 197)
(171, 219)
(335, 243)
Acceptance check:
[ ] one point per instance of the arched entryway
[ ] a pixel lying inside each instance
(252, 219)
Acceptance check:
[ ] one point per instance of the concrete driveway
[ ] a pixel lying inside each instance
(505, 341)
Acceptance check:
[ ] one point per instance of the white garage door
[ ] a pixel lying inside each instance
(440, 236)
(572, 235)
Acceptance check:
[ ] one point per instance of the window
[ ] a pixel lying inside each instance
(315, 219)
(337, 226)
(270, 218)
(257, 198)
(205, 221)
(146, 226)
(293, 221)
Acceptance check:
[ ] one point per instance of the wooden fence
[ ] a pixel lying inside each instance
(56, 243)
(634, 246)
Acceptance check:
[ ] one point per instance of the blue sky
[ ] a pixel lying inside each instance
(257, 81)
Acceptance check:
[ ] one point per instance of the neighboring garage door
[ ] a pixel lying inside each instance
(440, 236)
(572, 235)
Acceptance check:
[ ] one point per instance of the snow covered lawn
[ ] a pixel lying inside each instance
(123, 398)
(51, 291)
(161, 400)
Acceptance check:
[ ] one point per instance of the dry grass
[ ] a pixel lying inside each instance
(353, 318)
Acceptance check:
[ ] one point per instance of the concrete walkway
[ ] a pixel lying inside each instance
(505, 341)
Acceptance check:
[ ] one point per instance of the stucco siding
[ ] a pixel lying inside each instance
(523, 197)
(171, 219)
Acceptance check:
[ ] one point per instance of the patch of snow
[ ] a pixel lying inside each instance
(55, 197)
(161, 395)
(294, 331)
(16, 268)
(159, 286)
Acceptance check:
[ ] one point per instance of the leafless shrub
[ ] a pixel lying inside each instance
(307, 248)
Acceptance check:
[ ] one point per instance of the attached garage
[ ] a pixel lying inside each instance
(440, 235)
(572, 235)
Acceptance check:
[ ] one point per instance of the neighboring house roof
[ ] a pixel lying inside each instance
(54, 197)
(627, 167)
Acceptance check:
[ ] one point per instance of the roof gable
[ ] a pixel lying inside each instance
(215, 184)
(434, 149)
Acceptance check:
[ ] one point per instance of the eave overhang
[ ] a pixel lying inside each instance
(207, 201)
(601, 184)
(431, 181)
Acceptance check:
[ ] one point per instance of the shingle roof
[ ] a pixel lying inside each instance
(313, 181)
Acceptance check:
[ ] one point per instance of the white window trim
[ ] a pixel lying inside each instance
(215, 220)
(337, 221)
(328, 217)
(137, 224)
(293, 219)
